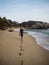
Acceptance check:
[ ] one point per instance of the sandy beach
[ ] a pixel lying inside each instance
(14, 51)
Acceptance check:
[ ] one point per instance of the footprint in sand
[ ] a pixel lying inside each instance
(20, 54)
(22, 49)
(18, 38)
(21, 62)
(21, 42)
(20, 46)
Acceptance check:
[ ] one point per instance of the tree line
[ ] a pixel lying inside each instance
(7, 23)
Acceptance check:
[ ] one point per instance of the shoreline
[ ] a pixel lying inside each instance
(38, 42)
(11, 51)
(41, 39)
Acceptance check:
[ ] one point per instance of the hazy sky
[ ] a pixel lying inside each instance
(24, 10)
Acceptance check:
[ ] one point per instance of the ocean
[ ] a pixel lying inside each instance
(41, 36)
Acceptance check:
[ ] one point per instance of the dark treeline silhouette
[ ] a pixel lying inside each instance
(35, 25)
(7, 23)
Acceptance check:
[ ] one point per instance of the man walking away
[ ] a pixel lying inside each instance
(21, 32)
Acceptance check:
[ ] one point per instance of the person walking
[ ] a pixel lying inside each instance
(21, 32)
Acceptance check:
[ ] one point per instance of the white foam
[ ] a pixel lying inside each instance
(41, 38)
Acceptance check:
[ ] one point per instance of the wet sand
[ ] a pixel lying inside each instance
(14, 51)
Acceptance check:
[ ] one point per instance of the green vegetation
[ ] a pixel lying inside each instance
(4, 23)
(7, 23)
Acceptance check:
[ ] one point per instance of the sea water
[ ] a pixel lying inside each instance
(41, 36)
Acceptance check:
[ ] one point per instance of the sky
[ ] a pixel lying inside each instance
(24, 10)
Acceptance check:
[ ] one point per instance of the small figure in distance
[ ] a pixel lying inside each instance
(21, 32)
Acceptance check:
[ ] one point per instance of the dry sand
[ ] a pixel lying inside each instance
(14, 51)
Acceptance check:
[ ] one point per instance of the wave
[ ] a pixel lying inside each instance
(41, 36)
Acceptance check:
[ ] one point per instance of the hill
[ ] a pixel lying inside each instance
(35, 24)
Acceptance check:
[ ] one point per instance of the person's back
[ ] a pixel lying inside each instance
(21, 33)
